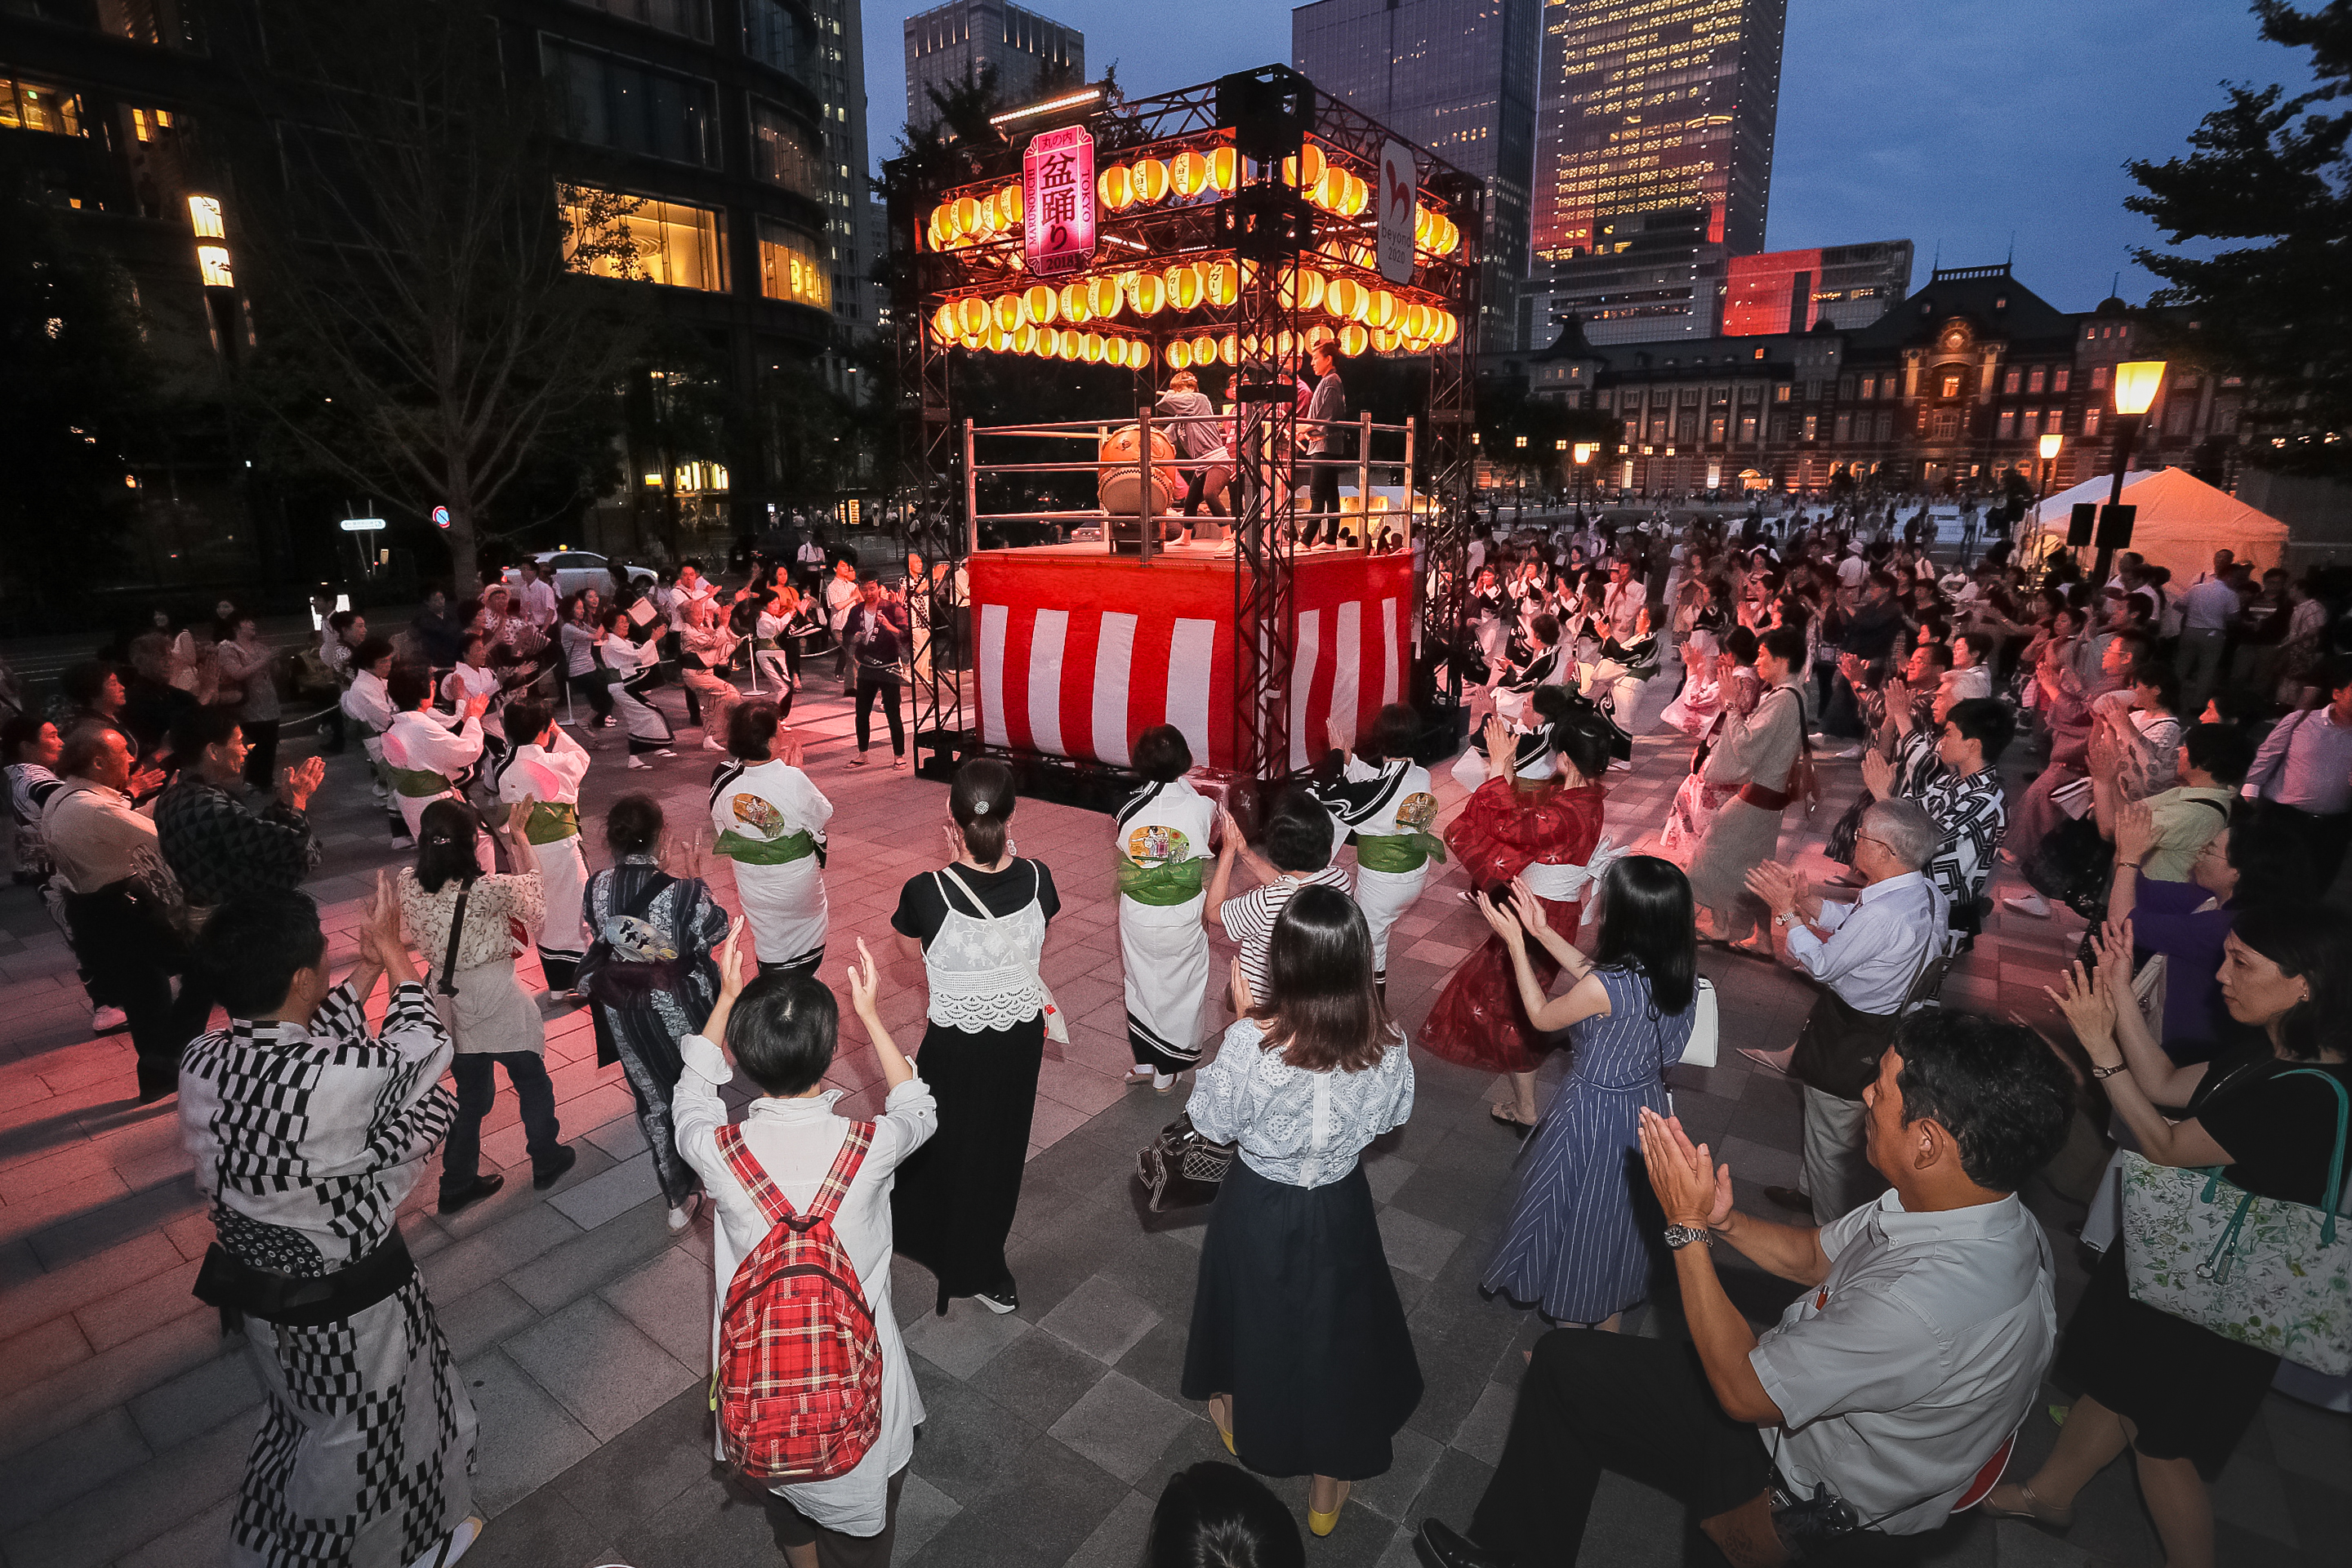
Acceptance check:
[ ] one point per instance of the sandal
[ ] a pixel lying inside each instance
(2034, 1512)
(1495, 1113)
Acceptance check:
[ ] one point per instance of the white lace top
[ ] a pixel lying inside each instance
(1302, 1128)
(982, 966)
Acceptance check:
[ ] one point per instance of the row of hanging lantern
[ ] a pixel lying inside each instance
(979, 218)
(1200, 350)
(1052, 343)
(1386, 320)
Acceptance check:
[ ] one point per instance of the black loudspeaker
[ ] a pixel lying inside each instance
(1266, 223)
(1270, 111)
(2079, 526)
(2116, 527)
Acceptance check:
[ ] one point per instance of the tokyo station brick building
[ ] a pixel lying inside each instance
(1944, 393)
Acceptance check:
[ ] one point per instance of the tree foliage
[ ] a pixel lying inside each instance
(2271, 169)
(425, 334)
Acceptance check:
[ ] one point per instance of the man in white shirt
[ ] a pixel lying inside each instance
(1868, 956)
(2206, 611)
(841, 596)
(1876, 1402)
(2304, 766)
(810, 560)
(782, 1032)
(539, 595)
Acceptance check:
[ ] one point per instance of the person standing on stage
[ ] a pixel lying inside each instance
(979, 926)
(636, 669)
(366, 1447)
(1758, 752)
(1386, 804)
(771, 822)
(546, 766)
(1161, 846)
(423, 760)
(1322, 442)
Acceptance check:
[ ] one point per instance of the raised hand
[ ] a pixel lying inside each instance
(1336, 735)
(296, 785)
(861, 981)
(731, 974)
(1505, 921)
(1244, 999)
(2087, 1006)
(1528, 908)
(1878, 775)
(476, 707)
(521, 814)
(1694, 1192)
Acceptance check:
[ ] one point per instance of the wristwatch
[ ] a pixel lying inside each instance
(1681, 1235)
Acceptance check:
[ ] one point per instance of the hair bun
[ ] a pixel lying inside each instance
(979, 808)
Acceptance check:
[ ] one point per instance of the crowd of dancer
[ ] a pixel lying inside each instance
(2189, 823)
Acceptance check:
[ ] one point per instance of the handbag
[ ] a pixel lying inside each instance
(1707, 1026)
(2261, 1271)
(1181, 1168)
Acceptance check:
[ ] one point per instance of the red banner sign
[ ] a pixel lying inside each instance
(1058, 200)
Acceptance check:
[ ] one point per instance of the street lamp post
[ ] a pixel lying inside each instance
(1583, 454)
(2050, 444)
(2137, 383)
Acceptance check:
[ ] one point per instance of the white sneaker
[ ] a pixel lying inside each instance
(2032, 904)
(678, 1216)
(106, 1020)
(638, 761)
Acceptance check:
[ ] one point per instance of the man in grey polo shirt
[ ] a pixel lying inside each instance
(1915, 1348)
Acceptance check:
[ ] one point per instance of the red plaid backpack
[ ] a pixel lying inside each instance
(800, 1365)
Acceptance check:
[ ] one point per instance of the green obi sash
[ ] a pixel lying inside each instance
(551, 822)
(1169, 882)
(1394, 854)
(780, 851)
(416, 783)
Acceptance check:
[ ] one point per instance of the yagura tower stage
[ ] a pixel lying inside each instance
(1224, 230)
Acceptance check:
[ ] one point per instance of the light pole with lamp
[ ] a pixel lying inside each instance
(2048, 447)
(1582, 452)
(1518, 482)
(2136, 385)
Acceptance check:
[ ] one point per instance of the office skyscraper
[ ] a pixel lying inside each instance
(949, 43)
(1654, 104)
(1459, 78)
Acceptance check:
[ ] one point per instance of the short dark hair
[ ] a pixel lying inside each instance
(1396, 731)
(1163, 754)
(2220, 750)
(980, 799)
(340, 621)
(2164, 678)
(1739, 642)
(1786, 644)
(1996, 1087)
(1938, 653)
(252, 945)
(1546, 627)
(751, 729)
(526, 718)
(1980, 644)
(783, 1031)
(632, 824)
(1298, 832)
(370, 651)
(1986, 721)
(21, 730)
(447, 830)
(197, 728)
(83, 682)
(408, 686)
(83, 743)
(1216, 1515)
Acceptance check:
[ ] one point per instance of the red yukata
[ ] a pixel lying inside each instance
(1477, 1019)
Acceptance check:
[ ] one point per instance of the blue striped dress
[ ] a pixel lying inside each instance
(1584, 1227)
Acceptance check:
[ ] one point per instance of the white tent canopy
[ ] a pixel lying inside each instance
(2182, 521)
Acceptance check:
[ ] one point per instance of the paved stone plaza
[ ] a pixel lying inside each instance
(581, 1321)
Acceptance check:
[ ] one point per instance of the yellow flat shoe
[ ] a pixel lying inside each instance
(1324, 1524)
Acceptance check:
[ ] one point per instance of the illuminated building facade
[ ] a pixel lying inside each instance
(1789, 290)
(1647, 105)
(1652, 276)
(1459, 78)
(948, 44)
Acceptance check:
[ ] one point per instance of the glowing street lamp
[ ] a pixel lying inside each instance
(2137, 383)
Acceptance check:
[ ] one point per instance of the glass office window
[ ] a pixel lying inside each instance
(670, 243)
(789, 269)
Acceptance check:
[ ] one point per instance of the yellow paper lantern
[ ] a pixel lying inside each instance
(1229, 349)
(1225, 169)
(967, 214)
(1300, 288)
(1091, 346)
(996, 338)
(934, 233)
(971, 340)
(1180, 354)
(1346, 298)
(1146, 293)
(1007, 310)
(1358, 196)
(1021, 340)
(1041, 304)
(1073, 303)
(972, 315)
(1249, 346)
(1353, 339)
(1302, 172)
(1380, 311)
(1073, 343)
(1008, 206)
(1115, 351)
(1186, 286)
(1103, 299)
(1222, 282)
(1189, 173)
(1204, 349)
(1449, 326)
(1116, 186)
(944, 324)
(1140, 356)
(1150, 179)
(1417, 321)
(1331, 189)
(1282, 345)
(1384, 341)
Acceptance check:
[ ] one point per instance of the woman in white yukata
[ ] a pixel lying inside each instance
(366, 1449)
(426, 761)
(771, 822)
(1163, 849)
(546, 766)
(1387, 806)
(635, 665)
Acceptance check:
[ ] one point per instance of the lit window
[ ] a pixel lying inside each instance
(780, 151)
(2059, 379)
(2033, 380)
(1780, 394)
(2007, 424)
(1812, 422)
(1951, 387)
(212, 261)
(653, 241)
(2007, 383)
(2032, 423)
(205, 216)
(1869, 386)
(30, 106)
(2098, 378)
(1747, 428)
(2090, 420)
(789, 270)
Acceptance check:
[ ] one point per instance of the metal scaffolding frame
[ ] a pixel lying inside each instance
(1264, 224)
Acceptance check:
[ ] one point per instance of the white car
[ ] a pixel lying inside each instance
(579, 569)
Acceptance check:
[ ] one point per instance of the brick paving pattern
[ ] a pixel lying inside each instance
(581, 1320)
